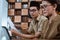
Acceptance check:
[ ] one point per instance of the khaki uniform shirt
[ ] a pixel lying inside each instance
(53, 28)
(37, 26)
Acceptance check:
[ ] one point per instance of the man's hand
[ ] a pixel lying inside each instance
(37, 34)
(25, 35)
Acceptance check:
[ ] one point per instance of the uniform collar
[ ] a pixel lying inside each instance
(38, 18)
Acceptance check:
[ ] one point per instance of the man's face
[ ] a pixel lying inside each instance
(34, 12)
(47, 8)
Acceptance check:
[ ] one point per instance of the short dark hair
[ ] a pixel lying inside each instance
(35, 3)
(51, 1)
(58, 7)
(54, 2)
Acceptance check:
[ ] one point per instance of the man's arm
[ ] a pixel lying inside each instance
(22, 35)
(17, 33)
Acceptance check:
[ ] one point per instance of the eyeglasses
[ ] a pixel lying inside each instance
(32, 10)
(44, 6)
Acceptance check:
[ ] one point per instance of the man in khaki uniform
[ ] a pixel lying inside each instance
(50, 11)
(37, 24)
(53, 31)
